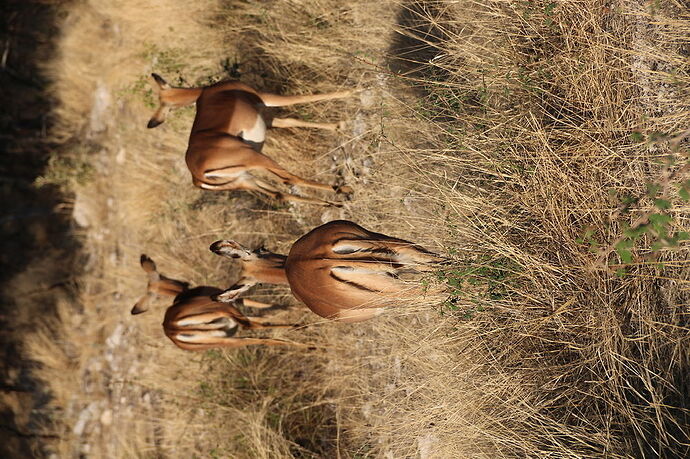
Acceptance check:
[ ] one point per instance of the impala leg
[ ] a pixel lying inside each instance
(235, 342)
(292, 179)
(255, 304)
(263, 322)
(266, 188)
(246, 159)
(212, 187)
(358, 315)
(230, 295)
(274, 100)
(292, 122)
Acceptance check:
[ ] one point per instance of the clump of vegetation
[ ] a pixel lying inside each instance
(68, 170)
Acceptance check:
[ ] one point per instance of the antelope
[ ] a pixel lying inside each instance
(196, 322)
(229, 132)
(339, 270)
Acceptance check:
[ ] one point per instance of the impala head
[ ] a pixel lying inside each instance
(164, 106)
(157, 285)
(169, 97)
(258, 265)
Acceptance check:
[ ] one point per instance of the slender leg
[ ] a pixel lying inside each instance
(235, 342)
(212, 187)
(292, 122)
(255, 304)
(274, 100)
(357, 315)
(263, 322)
(251, 160)
(263, 187)
(230, 295)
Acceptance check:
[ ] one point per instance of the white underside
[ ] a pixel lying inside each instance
(257, 133)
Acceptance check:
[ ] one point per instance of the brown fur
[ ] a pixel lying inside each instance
(228, 133)
(339, 270)
(195, 321)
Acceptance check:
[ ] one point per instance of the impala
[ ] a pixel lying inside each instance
(195, 321)
(339, 270)
(229, 131)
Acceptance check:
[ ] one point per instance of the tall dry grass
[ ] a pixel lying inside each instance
(491, 131)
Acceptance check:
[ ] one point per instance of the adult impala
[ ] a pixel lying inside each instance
(339, 270)
(229, 131)
(195, 322)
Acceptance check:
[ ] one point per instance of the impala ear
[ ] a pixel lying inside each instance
(147, 264)
(158, 117)
(162, 84)
(142, 305)
(230, 249)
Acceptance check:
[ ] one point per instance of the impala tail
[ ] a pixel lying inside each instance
(169, 97)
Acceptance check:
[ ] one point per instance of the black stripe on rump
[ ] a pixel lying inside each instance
(354, 284)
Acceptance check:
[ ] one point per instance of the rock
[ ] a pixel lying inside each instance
(82, 420)
(121, 156)
(426, 445)
(366, 98)
(115, 337)
(81, 211)
(107, 417)
(99, 107)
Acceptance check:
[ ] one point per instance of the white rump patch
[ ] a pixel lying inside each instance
(344, 248)
(226, 322)
(201, 336)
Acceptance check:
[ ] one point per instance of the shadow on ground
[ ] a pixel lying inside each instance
(36, 249)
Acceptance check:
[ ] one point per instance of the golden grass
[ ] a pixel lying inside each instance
(495, 138)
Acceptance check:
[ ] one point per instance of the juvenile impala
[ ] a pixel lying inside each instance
(339, 270)
(229, 131)
(196, 322)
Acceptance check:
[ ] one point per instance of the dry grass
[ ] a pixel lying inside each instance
(496, 138)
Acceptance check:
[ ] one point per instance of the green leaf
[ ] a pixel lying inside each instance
(624, 244)
(637, 137)
(662, 204)
(626, 255)
(621, 272)
(658, 245)
(684, 194)
(634, 233)
(682, 235)
(652, 189)
(659, 219)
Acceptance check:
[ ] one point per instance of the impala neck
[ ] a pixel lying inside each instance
(267, 267)
(179, 97)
